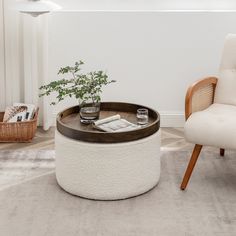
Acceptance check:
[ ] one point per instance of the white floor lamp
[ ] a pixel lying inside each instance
(35, 48)
(36, 7)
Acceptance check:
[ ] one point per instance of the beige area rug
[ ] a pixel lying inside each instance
(32, 204)
(18, 166)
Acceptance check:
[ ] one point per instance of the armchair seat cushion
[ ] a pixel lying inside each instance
(214, 126)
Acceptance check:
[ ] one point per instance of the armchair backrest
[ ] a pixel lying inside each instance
(226, 87)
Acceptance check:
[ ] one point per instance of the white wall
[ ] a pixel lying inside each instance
(147, 4)
(153, 56)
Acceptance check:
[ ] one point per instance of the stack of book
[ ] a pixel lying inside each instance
(19, 112)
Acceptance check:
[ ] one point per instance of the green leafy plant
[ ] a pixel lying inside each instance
(83, 87)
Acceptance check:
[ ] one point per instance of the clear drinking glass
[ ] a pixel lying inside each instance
(142, 116)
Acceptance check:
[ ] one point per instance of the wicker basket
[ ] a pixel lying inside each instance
(18, 131)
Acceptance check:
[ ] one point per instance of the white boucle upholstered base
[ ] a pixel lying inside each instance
(107, 171)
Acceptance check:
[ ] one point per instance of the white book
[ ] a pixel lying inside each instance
(115, 124)
(31, 108)
(15, 114)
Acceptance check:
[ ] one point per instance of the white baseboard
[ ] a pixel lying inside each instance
(168, 119)
(172, 119)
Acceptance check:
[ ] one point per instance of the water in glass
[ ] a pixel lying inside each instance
(142, 116)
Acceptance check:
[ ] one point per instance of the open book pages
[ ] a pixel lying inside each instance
(115, 124)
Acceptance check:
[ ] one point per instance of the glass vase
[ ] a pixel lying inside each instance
(89, 112)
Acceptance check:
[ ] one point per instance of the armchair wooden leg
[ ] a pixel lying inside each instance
(222, 152)
(196, 151)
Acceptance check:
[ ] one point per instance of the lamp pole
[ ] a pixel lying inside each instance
(35, 49)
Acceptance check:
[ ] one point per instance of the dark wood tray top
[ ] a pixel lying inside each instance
(68, 124)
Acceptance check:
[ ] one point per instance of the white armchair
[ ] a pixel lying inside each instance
(210, 109)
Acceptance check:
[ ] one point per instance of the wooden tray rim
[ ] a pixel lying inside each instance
(115, 137)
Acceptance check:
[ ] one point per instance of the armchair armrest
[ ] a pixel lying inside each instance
(200, 95)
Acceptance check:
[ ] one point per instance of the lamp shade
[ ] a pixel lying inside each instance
(36, 7)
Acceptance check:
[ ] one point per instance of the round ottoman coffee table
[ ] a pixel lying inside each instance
(105, 165)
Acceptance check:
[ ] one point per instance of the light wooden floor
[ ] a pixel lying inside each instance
(42, 140)
(171, 138)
